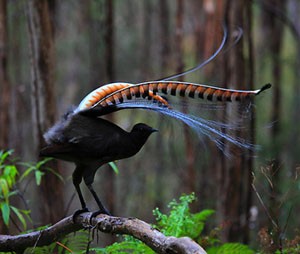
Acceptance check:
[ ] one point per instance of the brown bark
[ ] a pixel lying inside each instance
(4, 90)
(43, 101)
(109, 40)
(164, 36)
(234, 173)
(146, 42)
(212, 31)
(109, 175)
(179, 37)
(4, 84)
(249, 160)
(113, 225)
(189, 174)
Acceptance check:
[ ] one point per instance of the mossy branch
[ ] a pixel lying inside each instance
(108, 224)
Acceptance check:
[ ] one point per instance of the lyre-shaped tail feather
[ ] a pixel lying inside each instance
(116, 93)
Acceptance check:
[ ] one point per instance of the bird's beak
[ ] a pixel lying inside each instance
(154, 130)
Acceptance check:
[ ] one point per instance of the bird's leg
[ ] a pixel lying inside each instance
(102, 208)
(89, 179)
(77, 178)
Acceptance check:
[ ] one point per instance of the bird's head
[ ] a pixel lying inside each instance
(141, 132)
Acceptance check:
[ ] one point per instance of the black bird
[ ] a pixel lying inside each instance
(89, 141)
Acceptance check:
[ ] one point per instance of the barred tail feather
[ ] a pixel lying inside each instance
(115, 93)
(151, 91)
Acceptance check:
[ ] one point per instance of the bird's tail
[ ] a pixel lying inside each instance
(117, 93)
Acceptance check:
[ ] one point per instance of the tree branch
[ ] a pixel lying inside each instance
(108, 224)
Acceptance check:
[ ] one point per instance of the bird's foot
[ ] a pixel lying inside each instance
(80, 211)
(95, 214)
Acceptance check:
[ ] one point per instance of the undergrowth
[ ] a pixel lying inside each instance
(178, 222)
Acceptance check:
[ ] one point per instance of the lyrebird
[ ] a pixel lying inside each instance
(89, 141)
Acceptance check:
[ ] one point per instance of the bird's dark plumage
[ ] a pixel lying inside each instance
(90, 142)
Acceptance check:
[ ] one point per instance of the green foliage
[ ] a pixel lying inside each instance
(128, 245)
(70, 244)
(38, 170)
(8, 184)
(180, 222)
(8, 174)
(230, 248)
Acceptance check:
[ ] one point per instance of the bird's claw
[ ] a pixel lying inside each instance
(95, 214)
(80, 211)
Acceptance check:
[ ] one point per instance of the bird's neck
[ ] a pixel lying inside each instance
(138, 140)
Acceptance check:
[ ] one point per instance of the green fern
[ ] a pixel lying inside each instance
(180, 222)
(77, 243)
(128, 245)
(230, 248)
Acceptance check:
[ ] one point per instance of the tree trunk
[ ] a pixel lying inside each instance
(164, 35)
(4, 84)
(110, 194)
(189, 173)
(235, 181)
(249, 160)
(273, 28)
(43, 101)
(4, 90)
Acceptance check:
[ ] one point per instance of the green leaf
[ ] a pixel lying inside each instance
(26, 173)
(19, 216)
(38, 177)
(55, 173)
(4, 155)
(4, 190)
(5, 210)
(39, 164)
(114, 167)
(12, 193)
(9, 173)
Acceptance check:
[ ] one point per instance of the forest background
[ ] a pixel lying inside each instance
(52, 53)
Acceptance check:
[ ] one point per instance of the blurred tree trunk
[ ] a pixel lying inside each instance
(164, 37)
(295, 134)
(273, 28)
(210, 44)
(234, 184)
(146, 41)
(4, 83)
(249, 159)
(212, 35)
(164, 54)
(189, 173)
(43, 101)
(199, 29)
(109, 175)
(4, 90)
(96, 25)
